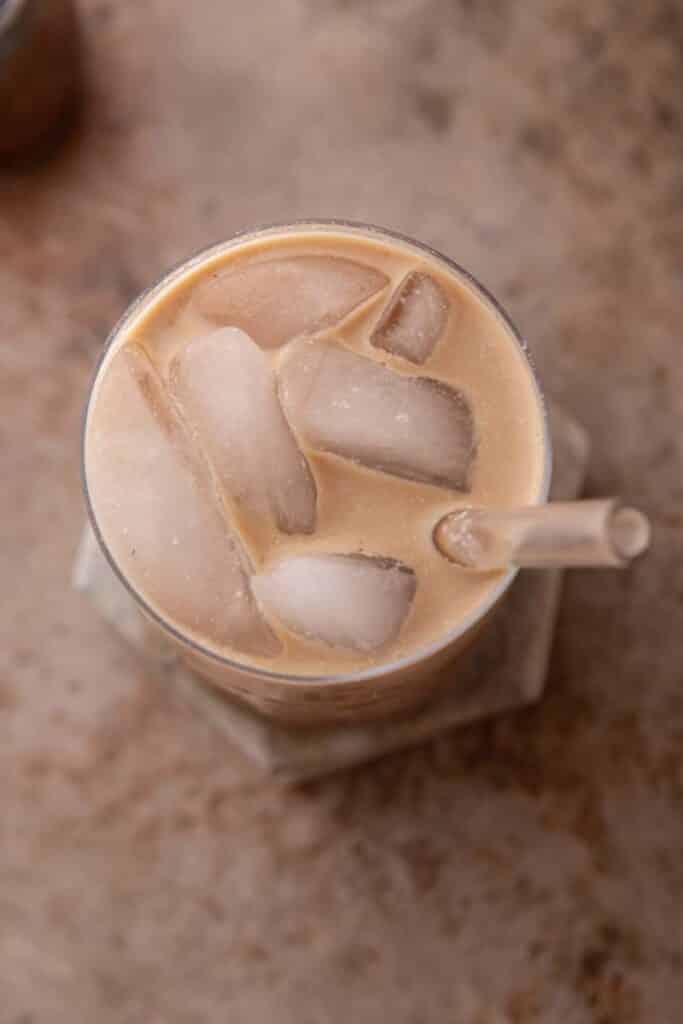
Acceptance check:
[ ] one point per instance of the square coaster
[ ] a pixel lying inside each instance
(504, 669)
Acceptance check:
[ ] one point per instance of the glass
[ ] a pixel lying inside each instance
(396, 686)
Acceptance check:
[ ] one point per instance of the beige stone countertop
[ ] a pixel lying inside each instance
(527, 870)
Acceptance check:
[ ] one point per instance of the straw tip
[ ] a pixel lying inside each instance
(630, 533)
(464, 541)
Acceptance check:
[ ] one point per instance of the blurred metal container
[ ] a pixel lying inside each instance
(40, 75)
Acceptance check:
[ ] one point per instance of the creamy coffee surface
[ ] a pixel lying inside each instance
(274, 433)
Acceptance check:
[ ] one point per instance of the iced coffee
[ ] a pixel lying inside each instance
(274, 431)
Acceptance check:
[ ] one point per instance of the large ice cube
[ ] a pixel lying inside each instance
(281, 297)
(157, 508)
(412, 427)
(227, 390)
(356, 601)
(414, 318)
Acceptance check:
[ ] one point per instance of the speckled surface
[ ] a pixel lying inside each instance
(524, 871)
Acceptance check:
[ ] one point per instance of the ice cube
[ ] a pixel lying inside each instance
(412, 427)
(158, 510)
(281, 297)
(225, 386)
(355, 601)
(414, 318)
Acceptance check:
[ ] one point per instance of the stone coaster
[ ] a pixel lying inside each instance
(504, 669)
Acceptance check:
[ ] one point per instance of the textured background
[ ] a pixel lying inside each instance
(524, 871)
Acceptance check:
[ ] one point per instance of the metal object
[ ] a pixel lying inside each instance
(40, 75)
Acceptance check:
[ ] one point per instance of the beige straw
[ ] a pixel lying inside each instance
(559, 535)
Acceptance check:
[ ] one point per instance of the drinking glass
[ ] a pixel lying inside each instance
(398, 685)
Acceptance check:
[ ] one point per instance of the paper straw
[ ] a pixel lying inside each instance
(558, 535)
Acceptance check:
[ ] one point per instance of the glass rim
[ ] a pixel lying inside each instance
(183, 267)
